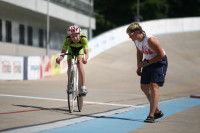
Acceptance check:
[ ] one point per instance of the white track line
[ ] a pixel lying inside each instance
(30, 97)
(64, 100)
(63, 123)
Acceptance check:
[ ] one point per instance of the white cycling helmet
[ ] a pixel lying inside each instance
(74, 29)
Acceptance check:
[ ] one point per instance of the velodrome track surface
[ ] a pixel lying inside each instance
(113, 86)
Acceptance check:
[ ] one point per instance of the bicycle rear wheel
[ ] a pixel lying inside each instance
(71, 93)
(79, 97)
(80, 103)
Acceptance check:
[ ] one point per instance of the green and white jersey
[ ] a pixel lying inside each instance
(69, 45)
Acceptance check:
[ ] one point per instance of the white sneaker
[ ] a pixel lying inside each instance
(83, 91)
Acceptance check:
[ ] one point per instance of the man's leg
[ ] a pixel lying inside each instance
(154, 98)
(147, 91)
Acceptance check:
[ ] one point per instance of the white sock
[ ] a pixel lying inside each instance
(83, 87)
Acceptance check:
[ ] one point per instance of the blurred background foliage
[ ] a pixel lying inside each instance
(114, 13)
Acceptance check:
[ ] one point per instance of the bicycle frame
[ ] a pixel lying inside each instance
(73, 78)
(74, 69)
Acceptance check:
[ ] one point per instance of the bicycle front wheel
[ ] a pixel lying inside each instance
(71, 93)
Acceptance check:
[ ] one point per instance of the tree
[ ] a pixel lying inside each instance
(154, 9)
(183, 8)
(115, 13)
(112, 13)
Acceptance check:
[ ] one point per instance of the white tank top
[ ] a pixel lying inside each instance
(145, 49)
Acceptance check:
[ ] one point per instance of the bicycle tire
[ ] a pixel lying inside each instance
(79, 97)
(71, 96)
(80, 103)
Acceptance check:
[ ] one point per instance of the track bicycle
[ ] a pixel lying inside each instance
(73, 85)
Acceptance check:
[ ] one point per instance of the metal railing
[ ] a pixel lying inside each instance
(84, 6)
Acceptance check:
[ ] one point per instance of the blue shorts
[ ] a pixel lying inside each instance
(155, 72)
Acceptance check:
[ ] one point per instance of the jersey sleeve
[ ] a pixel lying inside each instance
(66, 44)
(84, 40)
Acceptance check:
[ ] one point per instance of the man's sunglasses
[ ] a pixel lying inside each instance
(131, 34)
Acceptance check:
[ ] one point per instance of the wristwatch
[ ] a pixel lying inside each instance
(148, 62)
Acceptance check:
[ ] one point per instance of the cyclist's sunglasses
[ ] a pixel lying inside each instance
(131, 34)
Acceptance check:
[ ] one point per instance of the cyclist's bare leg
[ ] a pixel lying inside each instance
(69, 66)
(147, 91)
(81, 71)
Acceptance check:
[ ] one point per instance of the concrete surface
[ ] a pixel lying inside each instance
(112, 83)
(186, 121)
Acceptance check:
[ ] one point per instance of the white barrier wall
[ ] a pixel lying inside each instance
(33, 66)
(43, 67)
(11, 67)
(154, 27)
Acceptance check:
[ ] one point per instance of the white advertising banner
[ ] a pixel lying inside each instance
(107, 40)
(155, 27)
(11, 68)
(63, 65)
(45, 67)
(34, 67)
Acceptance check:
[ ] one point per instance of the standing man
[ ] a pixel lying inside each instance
(152, 69)
(76, 41)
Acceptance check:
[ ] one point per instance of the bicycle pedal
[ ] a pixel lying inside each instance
(69, 91)
(80, 95)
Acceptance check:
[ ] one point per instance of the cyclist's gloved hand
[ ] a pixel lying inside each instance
(85, 58)
(84, 61)
(58, 60)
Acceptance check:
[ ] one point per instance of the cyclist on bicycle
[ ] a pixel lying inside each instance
(76, 42)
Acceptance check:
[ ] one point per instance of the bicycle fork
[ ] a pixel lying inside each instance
(75, 77)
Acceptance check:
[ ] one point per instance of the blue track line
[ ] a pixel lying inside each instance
(127, 121)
